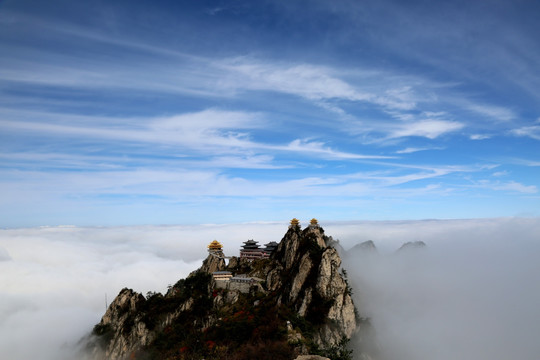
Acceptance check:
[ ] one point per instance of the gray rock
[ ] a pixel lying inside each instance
(303, 272)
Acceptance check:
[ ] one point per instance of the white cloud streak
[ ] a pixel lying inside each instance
(186, 182)
(496, 112)
(510, 186)
(210, 131)
(318, 147)
(411, 150)
(532, 132)
(430, 129)
(480, 136)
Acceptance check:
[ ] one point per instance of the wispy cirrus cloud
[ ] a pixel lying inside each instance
(384, 180)
(526, 162)
(430, 129)
(210, 131)
(480, 136)
(172, 183)
(492, 111)
(532, 132)
(314, 82)
(517, 187)
(509, 186)
(411, 150)
(320, 148)
(164, 71)
(309, 81)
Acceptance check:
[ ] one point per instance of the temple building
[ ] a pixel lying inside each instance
(222, 275)
(270, 247)
(313, 223)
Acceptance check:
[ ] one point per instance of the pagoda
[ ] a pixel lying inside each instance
(215, 246)
(313, 223)
(294, 223)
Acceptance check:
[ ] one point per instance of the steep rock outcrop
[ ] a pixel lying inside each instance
(316, 289)
(332, 285)
(120, 316)
(304, 270)
(213, 263)
(287, 251)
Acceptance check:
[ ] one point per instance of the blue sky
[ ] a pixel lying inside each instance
(181, 112)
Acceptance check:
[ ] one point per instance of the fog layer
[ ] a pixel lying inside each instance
(471, 294)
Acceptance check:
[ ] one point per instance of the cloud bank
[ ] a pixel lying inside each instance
(471, 294)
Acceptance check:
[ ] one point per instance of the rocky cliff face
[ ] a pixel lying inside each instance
(315, 286)
(302, 304)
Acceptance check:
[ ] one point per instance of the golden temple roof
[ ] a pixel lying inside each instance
(295, 222)
(215, 245)
(313, 221)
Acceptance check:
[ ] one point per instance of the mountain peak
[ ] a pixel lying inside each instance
(294, 293)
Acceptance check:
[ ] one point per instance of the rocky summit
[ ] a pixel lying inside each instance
(290, 300)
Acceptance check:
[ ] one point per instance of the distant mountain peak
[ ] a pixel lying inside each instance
(412, 245)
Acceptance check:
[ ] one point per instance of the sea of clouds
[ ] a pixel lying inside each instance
(472, 293)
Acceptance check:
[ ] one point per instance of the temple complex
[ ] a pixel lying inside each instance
(251, 251)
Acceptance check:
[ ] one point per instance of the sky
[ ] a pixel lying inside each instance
(472, 293)
(187, 112)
